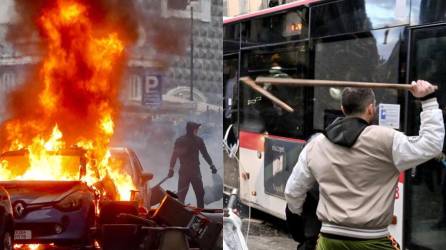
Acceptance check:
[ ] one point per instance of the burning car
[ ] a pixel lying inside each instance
(56, 161)
(51, 211)
(129, 162)
(62, 209)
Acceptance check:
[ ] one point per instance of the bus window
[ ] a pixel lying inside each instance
(340, 17)
(276, 28)
(231, 38)
(426, 216)
(424, 12)
(259, 114)
(372, 57)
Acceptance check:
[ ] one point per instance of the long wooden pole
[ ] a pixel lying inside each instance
(330, 83)
(248, 81)
(315, 83)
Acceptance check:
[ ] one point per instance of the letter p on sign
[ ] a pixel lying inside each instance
(150, 82)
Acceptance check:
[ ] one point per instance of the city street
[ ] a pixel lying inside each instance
(267, 232)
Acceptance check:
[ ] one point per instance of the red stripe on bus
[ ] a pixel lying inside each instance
(286, 139)
(255, 141)
(401, 178)
(268, 11)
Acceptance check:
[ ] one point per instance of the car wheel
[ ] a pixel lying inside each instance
(6, 243)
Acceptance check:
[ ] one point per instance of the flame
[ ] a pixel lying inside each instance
(107, 125)
(27, 246)
(75, 104)
(70, 11)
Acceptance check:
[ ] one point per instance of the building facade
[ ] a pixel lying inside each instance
(174, 67)
(238, 7)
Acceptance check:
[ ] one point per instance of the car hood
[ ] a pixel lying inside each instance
(37, 192)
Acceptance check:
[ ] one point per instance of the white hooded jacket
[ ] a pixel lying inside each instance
(357, 183)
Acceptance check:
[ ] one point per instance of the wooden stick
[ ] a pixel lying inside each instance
(248, 81)
(330, 83)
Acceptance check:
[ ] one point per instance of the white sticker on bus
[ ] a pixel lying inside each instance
(389, 115)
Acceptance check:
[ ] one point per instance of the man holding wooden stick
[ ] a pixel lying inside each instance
(357, 166)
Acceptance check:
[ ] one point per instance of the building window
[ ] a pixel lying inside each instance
(244, 8)
(8, 82)
(135, 88)
(202, 10)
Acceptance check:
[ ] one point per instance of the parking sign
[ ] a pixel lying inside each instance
(152, 91)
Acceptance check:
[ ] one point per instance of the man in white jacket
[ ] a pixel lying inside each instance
(357, 166)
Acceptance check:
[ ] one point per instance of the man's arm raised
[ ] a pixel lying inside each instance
(410, 151)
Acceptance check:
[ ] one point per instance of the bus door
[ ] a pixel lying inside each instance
(230, 119)
(231, 52)
(425, 205)
(270, 137)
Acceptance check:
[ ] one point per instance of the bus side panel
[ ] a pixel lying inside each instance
(249, 171)
(396, 230)
(252, 191)
(251, 147)
(252, 173)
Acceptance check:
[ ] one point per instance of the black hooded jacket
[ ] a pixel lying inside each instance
(187, 148)
(345, 131)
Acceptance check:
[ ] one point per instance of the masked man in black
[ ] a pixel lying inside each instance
(186, 149)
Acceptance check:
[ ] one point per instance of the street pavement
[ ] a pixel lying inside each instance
(267, 232)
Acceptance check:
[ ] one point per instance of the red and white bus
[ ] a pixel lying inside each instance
(394, 41)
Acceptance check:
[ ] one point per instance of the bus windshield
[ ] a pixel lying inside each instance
(370, 57)
(259, 114)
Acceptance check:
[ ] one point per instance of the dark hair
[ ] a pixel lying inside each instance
(355, 100)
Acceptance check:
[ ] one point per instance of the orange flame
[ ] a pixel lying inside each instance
(76, 100)
(32, 246)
